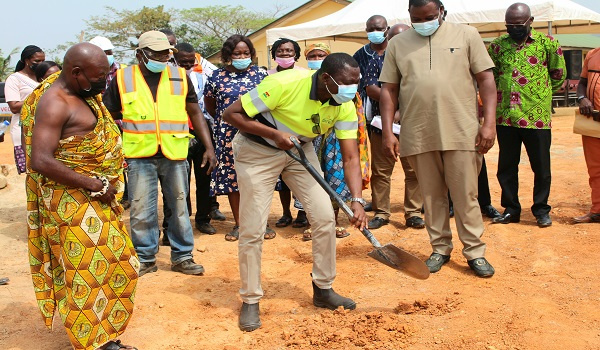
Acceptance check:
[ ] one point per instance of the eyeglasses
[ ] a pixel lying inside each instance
(316, 119)
(509, 26)
(156, 56)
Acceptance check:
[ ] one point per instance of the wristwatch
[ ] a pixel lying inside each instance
(579, 98)
(359, 200)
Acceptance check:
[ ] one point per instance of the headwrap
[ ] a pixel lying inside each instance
(317, 46)
(27, 52)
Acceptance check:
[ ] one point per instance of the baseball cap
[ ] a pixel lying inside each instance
(155, 41)
(102, 43)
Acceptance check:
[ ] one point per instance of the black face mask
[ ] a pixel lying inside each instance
(518, 34)
(95, 88)
(33, 66)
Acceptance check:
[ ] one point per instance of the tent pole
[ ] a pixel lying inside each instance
(549, 27)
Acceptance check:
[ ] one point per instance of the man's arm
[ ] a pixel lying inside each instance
(50, 117)
(487, 92)
(236, 116)
(353, 179)
(388, 105)
(557, 68)
(585, 105)
(201, 129)
(372, 80)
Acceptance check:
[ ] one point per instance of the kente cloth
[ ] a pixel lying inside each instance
(330, 156)
(81, 257)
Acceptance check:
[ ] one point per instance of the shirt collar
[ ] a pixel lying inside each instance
(313, 90)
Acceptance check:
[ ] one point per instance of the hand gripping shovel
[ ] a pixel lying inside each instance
(388, 254)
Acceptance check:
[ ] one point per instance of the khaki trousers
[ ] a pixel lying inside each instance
(258, 168)
(457, 171)
(381, 181)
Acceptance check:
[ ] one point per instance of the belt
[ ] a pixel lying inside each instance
(257, 139)
(261, 140)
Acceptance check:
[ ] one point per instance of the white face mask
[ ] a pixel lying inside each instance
(427, 28)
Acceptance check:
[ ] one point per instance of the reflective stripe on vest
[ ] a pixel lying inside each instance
(148, 124)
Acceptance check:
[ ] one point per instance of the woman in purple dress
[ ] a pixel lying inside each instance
(223, 88)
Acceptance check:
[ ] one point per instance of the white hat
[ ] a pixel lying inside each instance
(102, 43)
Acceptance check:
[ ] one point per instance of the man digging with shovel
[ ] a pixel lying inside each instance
(299, 104)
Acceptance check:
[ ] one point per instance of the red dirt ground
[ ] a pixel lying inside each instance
(545, 294)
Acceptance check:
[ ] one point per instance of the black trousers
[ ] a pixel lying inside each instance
(537, 144)
(204, 202)
(483, 197)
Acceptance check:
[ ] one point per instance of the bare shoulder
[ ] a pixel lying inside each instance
(52, 107)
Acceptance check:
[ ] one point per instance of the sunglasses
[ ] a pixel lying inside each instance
(509, 26)
(316, 119)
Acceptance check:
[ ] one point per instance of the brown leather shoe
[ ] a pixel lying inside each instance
(587, 218)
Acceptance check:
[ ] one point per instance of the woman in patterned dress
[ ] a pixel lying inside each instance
(223, 88)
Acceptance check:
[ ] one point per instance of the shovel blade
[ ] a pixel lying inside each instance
(400, 260)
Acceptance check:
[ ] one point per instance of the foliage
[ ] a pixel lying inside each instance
(123, 27)
(6, 68)
(206, 28)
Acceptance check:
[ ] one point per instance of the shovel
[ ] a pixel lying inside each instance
(388, 254)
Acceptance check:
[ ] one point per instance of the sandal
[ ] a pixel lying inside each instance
(307, 235)
(233, 235)
(340, 232)
(301, 220)
(116, 345)
(270, 233)
(284, 221)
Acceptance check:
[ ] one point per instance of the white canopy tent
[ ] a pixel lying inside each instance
(557, 16)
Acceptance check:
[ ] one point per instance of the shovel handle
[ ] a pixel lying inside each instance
(301, 158)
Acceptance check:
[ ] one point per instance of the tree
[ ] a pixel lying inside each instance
(123, 27)
(206, 28)
(5, 68)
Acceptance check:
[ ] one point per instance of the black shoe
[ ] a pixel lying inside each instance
(490, 211)
(206, 227)
(506, 218)
(216, 214)
(328, 298)
(451, 211)
(368, 207)
(481, 267)
(188, 267)
(435, 261)
(544, 220)
(415, 222)
(377, 222)
(249, 317)
(147, 267)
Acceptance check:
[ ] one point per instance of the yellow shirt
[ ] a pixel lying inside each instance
(288, 101)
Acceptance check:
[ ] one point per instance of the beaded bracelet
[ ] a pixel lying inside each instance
(104, 189)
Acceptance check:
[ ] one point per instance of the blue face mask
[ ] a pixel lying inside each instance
(427, 28)
(314, 64)
(345, 92)
(376, 37)
(111, 59)
(241, 63)
(154, 66)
